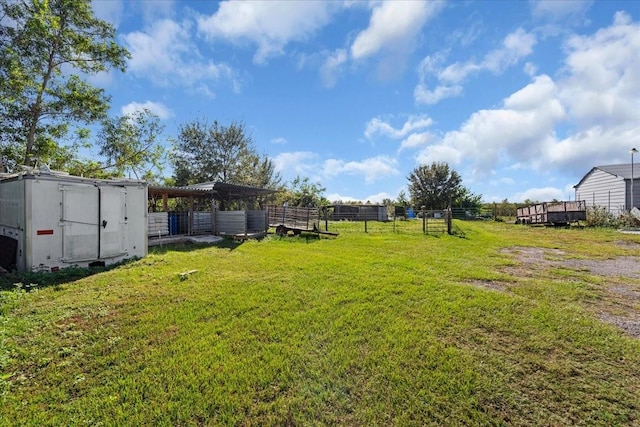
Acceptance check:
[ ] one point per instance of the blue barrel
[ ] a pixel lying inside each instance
(173, 223)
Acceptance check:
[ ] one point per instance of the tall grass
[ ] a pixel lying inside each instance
(377, 328)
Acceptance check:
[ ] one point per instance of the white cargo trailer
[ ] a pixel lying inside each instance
(60, 220)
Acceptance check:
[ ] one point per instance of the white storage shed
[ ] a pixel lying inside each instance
(55, 220)
(610, 187)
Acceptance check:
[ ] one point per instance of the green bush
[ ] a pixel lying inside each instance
(598, 216)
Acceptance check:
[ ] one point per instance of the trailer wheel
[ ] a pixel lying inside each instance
(296, 232)
(281, 230)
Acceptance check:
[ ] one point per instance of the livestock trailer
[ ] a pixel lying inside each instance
(295, 219)
(54, 220)
(554, 213)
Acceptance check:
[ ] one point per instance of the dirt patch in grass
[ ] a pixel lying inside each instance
(489, 284)
(627, 243)
(620, 302)
(529, 257)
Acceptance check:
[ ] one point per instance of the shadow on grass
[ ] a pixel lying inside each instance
(303, 237)
(37, 280)
(227, 243)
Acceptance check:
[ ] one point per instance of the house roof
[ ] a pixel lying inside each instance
(621, 171)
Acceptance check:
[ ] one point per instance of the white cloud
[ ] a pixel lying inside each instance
(530, 69)
(333, 66)
(373, 198)
(269, 25)
(416, 140)
(544, 194)
(110, 11)
(379, 197)
(394, 25)
(440, 153)
(423, 95)
(153, 10)
(280, 141)
(555, 10)
(413, 123)
(504, 181)
(588, 116)
(156, 108)
(515, 46)
(603, 82)
(393, 29)
(165, 54)
(297, 162)
(519, 130)
(373, 169)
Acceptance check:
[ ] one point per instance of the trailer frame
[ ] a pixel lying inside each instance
(553, 213)
(295, 219)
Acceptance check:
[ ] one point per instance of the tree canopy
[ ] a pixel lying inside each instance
(303, 192)
(47, 49)
(435, 186)
(213, 152)
(129, 144)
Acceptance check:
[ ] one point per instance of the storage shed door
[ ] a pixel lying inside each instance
(79, 222)
(113, 221)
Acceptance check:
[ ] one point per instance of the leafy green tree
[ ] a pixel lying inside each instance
(129, 144)
(212, 152)
(466, 199)
(303, 192)
(434, 186)
(402, 198)
(47, 49)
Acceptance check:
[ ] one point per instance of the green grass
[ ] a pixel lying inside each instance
(382, 328)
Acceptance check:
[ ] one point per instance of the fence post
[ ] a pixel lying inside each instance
(365, 222)
(424, 220)
(213, 217)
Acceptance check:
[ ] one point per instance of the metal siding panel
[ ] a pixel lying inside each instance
(202, 222)
(136, 238)
(112, 226)
(80, 222)
(158, 223)
(603, 189)
(231, 222)
(257, 221)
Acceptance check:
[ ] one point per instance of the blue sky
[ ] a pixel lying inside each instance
(521, 98)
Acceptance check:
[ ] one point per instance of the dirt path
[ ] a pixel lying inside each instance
(620, 305)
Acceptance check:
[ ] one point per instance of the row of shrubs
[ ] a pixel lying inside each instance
(599, 216)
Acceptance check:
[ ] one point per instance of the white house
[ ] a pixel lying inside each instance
(610, 187)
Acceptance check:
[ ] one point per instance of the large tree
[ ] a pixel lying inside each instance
(214, 152)
(129, 144)
(47, 50)
(434, 186)
(304, 192)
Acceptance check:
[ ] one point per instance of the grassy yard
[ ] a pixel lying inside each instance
(390, 327)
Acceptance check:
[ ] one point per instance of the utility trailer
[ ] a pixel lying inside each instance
(52, 220)
(295, 219)
(553, 213)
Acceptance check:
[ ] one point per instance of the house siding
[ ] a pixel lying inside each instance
(636, 192)
(603, 189)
